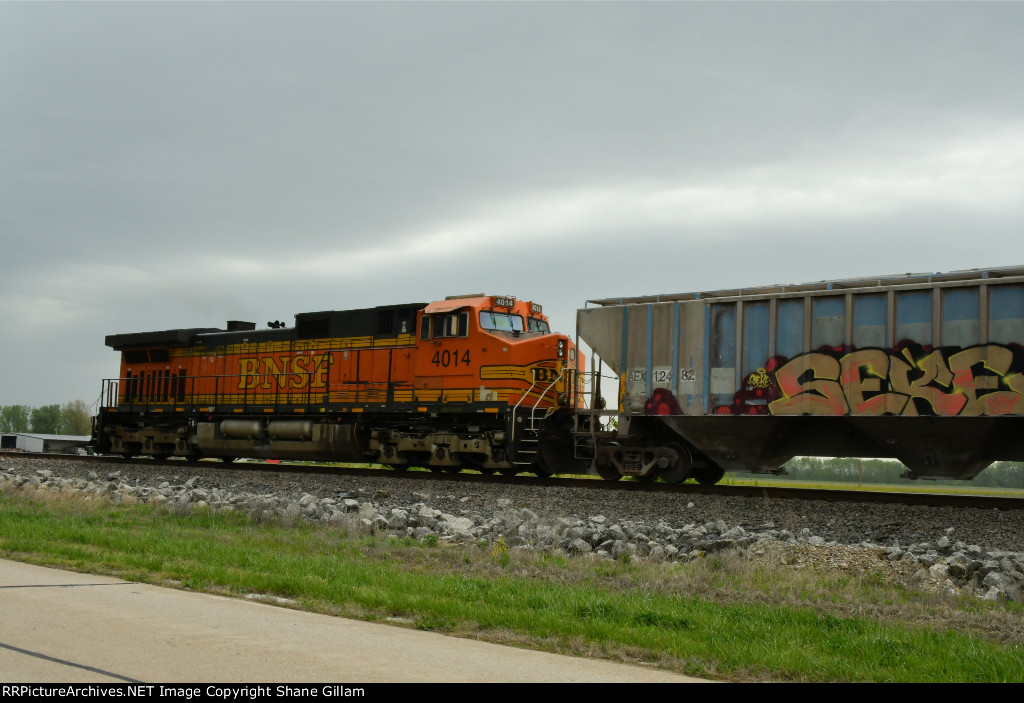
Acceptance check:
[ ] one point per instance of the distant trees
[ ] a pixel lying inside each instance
(75, 418)
(46, 420)
(72, 418)
(1001, 474)
(14, 418)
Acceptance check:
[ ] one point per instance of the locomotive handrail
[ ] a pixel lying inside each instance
(536, 403)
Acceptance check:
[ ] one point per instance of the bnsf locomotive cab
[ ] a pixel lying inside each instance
(467, 382)
(493, 345)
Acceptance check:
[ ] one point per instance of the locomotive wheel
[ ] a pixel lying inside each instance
(399, 467)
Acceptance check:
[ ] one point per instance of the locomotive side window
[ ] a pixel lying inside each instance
(869, 321)
(960, 324)
(828, 322)
(1006, 315)
(450, 325)
(501, 321)
(914, 317)
(425, 328)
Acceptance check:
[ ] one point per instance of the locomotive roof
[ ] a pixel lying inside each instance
(905, 279)
(377, 321)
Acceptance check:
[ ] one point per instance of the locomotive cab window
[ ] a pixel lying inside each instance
(500, 321)
(535, 325)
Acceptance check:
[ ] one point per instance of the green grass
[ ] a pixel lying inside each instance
(719, 617)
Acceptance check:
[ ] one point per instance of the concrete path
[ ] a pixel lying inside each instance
(62, 626)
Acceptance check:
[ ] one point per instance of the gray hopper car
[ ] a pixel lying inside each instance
(924, 368)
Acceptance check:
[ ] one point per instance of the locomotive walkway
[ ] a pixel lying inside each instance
(62, 626)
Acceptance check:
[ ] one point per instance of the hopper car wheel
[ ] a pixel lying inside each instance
(160, 457)
(437, 469)
(708, 475)
(228, 459)
(393, 467)
(452, 469)
(510, 471)
(679, 472)
(558, 456)
(192, 457)
(646, 479)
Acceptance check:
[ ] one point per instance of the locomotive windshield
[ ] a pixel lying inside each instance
(535, 325)
(501, 321)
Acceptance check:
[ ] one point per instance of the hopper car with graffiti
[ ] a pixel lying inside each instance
(927, 369)
(467, 382)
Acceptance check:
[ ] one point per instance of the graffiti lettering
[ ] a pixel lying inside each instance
(759, 379)
(982, 380)
(810, 385)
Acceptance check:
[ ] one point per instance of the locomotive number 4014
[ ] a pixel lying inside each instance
(448, 358)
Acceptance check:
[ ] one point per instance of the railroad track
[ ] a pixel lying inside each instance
(861, 495)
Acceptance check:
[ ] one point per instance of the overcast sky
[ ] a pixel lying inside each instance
(181, 164)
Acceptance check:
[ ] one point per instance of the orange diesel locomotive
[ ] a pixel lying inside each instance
(468, 382)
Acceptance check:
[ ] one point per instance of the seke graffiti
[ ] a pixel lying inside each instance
(981, 380)
(987, 379)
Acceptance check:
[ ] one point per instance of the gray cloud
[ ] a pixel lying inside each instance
(180, 164)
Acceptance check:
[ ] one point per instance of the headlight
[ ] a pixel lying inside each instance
(561, 348)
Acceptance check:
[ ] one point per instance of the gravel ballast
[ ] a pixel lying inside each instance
(958, 550)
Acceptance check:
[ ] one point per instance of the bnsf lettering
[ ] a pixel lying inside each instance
(542, 375)
(448, 358)
(294, 373)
